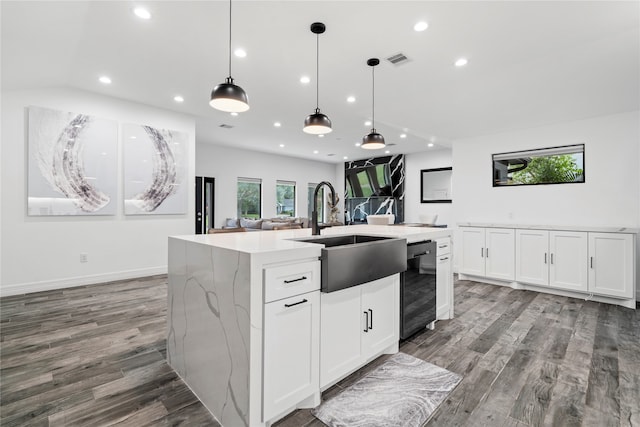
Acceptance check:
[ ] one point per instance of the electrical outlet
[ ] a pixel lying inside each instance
(84, 258)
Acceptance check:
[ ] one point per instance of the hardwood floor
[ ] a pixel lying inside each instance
(95, 355)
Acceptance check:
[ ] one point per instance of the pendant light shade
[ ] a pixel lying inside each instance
(228, 96)
(317, 123)
(373, 141)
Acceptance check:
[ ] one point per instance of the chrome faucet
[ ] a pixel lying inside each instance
(315, 230)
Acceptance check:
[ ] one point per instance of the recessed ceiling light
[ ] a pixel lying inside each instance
(234, 114)
(240, 53)
(281, 145)
(132, 137)
(367, 123)
(351, 99)
(345, 157)
(403, 135)
(178, 98)
(357, 144)
(142, 13)
(461, 62)
(315, 151)
(321, 136)
(387, 152)
(277, 124)
(421, 26)
(304, 80)
(430, 144)
(105, 80)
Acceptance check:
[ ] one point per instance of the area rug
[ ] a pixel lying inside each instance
(402, 392)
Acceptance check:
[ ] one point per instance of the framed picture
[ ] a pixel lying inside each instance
(72, 163)
(435, 185)
(155, 170)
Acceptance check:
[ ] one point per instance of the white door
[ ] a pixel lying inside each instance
(444, 287)
(291, 348)
(532, 257)
(340, 331)
(500, 253)
(472, 251)
(568, 260)
(380, 310)
(611, 258)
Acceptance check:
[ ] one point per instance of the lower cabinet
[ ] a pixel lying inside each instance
(487, 252)
(357, 324)
(444, 280)
(611, 264)
(291, 349)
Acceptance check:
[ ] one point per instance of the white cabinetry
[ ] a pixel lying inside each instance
(357, 325)
(611, 264)
(444, 280)
(488, 252)
(291, 336)
(552, 258)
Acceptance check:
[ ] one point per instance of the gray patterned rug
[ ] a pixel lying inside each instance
(402, 392)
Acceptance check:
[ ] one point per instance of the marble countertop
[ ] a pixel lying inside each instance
(281, 240)
(551, 227)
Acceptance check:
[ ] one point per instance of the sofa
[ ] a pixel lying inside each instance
(277, 223)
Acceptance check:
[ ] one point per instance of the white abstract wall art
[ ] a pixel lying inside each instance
(155, 170)
(72, 163)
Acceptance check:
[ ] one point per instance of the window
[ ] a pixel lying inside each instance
(249, 198)
(320, 199)
(286, 198)
(555, 165)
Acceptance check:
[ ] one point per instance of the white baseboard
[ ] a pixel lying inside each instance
(70, 282)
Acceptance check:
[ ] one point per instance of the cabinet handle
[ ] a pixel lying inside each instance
(443, 246)
(545, 257)
(370, 319)
(481, 252)
(551, 258)
(486, 252)
(444, 259)
(591, 262)
(366, 322)
(421, 254)
(296, 280)
(295, 303)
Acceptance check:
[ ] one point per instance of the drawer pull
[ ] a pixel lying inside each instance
(444, 259)
(295, 303)
(443, 246)
(296, 280)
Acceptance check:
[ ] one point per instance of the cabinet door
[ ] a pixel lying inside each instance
(568, 260)
(444, 288)
(380, 314)
(532, 257)
(611, 268)
(472, 251)
(340, 330)
(500, 253)
(291, 348)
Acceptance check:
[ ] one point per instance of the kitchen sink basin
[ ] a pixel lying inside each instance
(350, 260)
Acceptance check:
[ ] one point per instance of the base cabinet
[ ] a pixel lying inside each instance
(611, 264)
(357, 324)
(488, 252)
(444, 280)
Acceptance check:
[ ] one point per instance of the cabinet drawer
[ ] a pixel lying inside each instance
(443, 246)
(289, 280)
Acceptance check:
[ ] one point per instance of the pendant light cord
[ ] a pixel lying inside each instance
(317, 71)
(373, 97)
(229, 38)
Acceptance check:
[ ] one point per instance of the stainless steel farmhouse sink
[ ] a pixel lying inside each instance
(351, 260)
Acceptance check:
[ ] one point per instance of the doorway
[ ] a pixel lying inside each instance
(205, 189)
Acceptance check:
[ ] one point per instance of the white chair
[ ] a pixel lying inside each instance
(428, 219)
(381, 219)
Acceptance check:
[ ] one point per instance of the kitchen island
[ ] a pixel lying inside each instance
(244, 318)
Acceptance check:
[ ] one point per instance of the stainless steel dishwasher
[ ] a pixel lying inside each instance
(418, 288)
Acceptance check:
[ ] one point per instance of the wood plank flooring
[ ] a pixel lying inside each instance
(95, 356)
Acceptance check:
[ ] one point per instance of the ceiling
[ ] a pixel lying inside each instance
(531, 63)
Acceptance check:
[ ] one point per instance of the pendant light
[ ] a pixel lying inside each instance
(317, 123)
(228, 96)
(373, 141)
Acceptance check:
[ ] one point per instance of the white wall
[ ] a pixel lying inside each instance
(227, 164)
(414, 163)
(41, 253)
(609, 197)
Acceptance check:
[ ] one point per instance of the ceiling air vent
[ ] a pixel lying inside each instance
(226, 126)
(391, 144)
(331, 154)
(398, 59)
